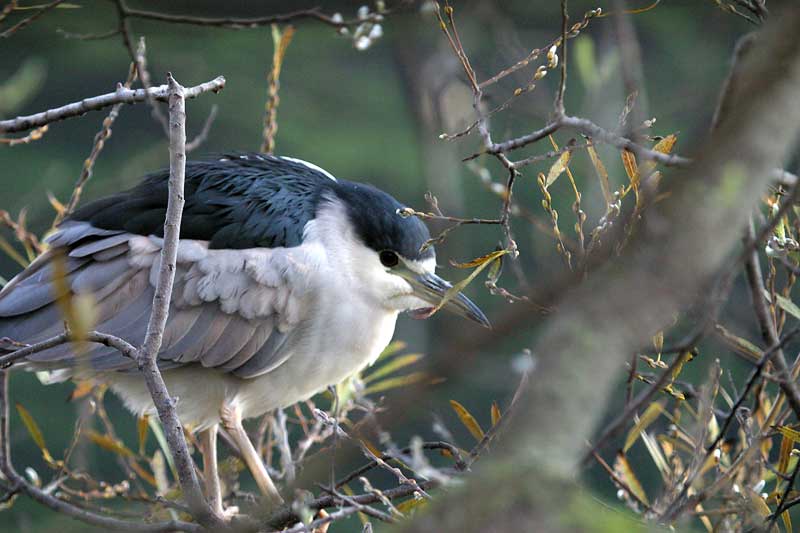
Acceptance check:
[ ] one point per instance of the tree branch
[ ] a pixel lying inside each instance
(120, 96)
(147, 354)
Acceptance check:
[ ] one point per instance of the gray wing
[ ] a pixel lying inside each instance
(234, 310)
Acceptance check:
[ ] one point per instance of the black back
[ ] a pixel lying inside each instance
(252, 200)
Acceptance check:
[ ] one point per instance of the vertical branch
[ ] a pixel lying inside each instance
(165, 405)
(281, 43)
(563, 85)
(766, 324)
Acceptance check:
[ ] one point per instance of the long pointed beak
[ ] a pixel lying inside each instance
(431, 288)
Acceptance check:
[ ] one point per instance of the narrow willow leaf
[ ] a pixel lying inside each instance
(557, 169)
(664, 146)
(602, 174)
(496, 415)
(787, 305)
(789, 433)
(468, 420)
(453, 291)
(650, 415)
(35, 433)
(393, 366)
(141, 429)
(410, 504)
(655, 453)
(631, 168)
(786, 450)
(361, 516)
(393, 348)
(787, 521)
(399, 381)
(758, 504)
(107, 442)
(479, 261)
(142, 473)
(158, 433)
(623, 469)
(11, 252)
(738, 344)
(374, 450)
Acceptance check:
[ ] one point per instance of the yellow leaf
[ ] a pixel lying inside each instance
(631, 168)
(478, 261)
(496, 415)
(623, 469)
(35, 433)
(144, 474)
(786, 450)
(664, 146)
(468, 420)
(82, 388)
(650, 414)
(57, 205)
(392, 366)
(78, 310)
(602, 174)
(453, 291)
(141, 426)
(410, 504)
(371, 447)
(789, 433)
(787, 521)
(109, 443)
(557, 169)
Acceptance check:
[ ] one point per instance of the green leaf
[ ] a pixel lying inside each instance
(392, 366)
(158, 433)
(399, 381)
(585, 62)
(787, 305)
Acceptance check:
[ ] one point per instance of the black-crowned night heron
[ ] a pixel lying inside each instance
(288, 281)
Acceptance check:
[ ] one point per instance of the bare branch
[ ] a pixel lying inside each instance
(146, 358)
(26, 21)
(120, 96)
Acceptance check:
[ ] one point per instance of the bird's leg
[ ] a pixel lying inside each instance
(231, 418)
(208, 444)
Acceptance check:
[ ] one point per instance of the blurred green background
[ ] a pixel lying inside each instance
(372, 115)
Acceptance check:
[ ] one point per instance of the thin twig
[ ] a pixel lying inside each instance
(26, 21)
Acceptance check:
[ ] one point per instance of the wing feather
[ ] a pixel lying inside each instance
(234, 310)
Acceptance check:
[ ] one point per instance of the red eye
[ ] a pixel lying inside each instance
(389, 258)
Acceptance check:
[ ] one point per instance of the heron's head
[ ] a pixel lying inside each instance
(390, 255)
